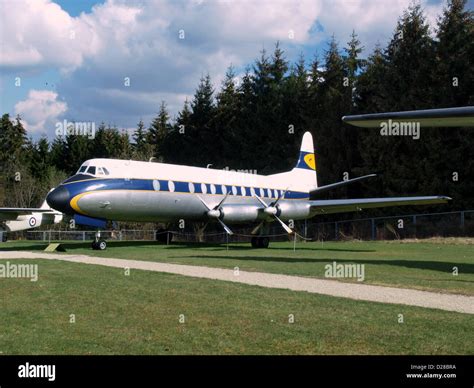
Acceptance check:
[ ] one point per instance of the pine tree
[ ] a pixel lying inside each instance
(40, 160)
(328, 133)
(58, 153)
(455, 51)
(200, 131)
(139, 136)
(224, 121)
(177, 144)
(158, 130)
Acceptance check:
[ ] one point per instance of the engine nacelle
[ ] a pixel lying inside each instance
(286, 210)
(240, 213)
(294, 210)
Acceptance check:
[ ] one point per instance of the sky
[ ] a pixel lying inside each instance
(116, 60)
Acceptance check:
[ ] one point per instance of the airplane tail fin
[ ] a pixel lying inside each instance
(305, 168)
(303, 177)
(45, 205)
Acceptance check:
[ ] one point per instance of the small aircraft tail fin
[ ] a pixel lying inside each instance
(303, 176)
(45, 205)
(306, 165)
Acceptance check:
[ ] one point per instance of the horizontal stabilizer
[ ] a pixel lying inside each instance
(445, 117)
(339, 184)
(350, 205)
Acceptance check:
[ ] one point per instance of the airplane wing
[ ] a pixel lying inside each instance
(12, 213)
(349, 205)
(445, 117)
(14, 219)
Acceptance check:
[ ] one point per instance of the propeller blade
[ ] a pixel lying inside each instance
(221, 202)
(280, 197)
(226, 228)
(257, 228)
(261, 201)
(285, 226)
(204, 202)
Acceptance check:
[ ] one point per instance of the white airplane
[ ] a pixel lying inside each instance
(13, 219)
(126, 190)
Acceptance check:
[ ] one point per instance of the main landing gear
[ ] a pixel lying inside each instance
(260, 242)
(99, 244)
(163, 236)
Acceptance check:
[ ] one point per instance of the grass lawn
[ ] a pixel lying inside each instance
(139, 314)
(420, 265)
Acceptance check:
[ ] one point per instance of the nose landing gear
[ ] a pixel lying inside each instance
(99, 244)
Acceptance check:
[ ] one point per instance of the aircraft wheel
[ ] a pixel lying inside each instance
(264, 242)
(102, 245)
(254, 242)
(260, 242)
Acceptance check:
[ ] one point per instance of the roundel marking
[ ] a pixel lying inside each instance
(310, 161)
(32, 221)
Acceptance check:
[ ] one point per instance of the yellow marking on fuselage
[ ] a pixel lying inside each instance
(74, 203)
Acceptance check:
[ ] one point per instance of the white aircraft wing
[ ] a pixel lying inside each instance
(12, 213)
(14, 219)
(444, 117)
(350, 205)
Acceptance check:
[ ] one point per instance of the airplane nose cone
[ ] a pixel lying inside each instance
(59, 199)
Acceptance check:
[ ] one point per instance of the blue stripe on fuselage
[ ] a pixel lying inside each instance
(78, 187)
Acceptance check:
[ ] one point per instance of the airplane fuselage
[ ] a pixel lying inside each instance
(155, 192)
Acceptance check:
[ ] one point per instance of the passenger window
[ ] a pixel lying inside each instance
(91, 170)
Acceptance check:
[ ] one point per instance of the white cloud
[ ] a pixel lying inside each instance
(139, 40)
(38, 33)
(40, 110)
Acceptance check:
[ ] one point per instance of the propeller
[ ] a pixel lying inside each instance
(272, 211)
(216, 213)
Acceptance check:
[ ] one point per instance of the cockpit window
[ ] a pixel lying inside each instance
(92, 170)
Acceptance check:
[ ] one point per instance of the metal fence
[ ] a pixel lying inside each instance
(448, 224)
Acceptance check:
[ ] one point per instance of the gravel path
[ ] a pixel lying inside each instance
(449, 302)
